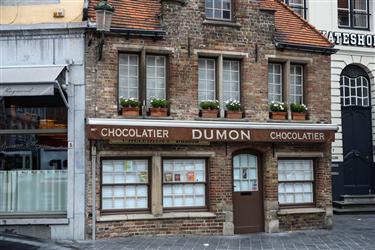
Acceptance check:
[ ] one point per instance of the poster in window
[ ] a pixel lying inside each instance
(168, 176)
(143, 176)
(177, 177)
(190, 176)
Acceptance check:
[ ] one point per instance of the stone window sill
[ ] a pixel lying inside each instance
(222, 23)
(172, 215)
(35, 221)
(221, 119)
(148, 117)
(310, 210)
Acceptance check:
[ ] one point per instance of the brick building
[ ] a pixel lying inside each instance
(187, 174)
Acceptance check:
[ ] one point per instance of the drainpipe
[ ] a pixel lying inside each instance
(93, 191)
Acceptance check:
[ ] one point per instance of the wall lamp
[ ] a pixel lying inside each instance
(104, 12)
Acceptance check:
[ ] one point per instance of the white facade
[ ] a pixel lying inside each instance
(324, 16)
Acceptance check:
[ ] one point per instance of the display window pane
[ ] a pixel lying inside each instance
(184, 183)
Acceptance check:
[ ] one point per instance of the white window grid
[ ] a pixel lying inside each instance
(128, 76)
(298, 6)
(125, 184)
(156, 77)
(295, 181)
(296, 84)
(207, 79)
(218, 9)
(245, 173)
(184, 192)
(360, 18)
(231, 80)
(274, 82)
(354, 91)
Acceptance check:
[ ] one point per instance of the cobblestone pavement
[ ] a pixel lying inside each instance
(349, 232)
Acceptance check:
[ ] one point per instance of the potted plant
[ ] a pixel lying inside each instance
(233, 109)
(278, 110)
(299, 111)
(159, 107)
(209, 108)
(130, 106)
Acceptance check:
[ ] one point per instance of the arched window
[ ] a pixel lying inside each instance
(354, 87)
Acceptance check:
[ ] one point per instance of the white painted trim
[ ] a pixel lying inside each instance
(226, 53)
(173, 215)
(44, 26)
(211, 124)
(311, 210)
(49, 221)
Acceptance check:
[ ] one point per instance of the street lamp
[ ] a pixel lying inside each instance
(104, 12)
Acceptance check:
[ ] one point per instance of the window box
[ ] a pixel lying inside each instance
(130, 111)
(231, 114)
(159, 112)
(298, 116)
(278, 115)
(210, 113)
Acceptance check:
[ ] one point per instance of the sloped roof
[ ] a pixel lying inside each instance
(132, 14)
(292, 29)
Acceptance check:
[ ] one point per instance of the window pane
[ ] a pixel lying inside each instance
(343, 4)
(219, 9)
(156, 80)
(125, 171)
(274, 82)
(231, 80)
(245, 173)
(206, 83)
(296, 83)
(128, 75)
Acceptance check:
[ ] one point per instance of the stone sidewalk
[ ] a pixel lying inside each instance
(349, 232)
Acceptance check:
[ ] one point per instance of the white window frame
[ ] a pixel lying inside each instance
(155, 77)
(352, 12)
(298, 7)
(124, 91)
(293, 95)
(232, 94)
(203, 83)
(274, 83)
(221, 9)
(358, 93)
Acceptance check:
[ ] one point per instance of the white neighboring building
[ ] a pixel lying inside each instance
(350, 24)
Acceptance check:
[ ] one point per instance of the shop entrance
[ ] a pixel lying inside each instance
(357, 131)
(247, 194)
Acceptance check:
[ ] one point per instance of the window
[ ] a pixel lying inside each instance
(276, 85)
(296, 179)
(184, 183)
(125, 184)
(129, 76)
(353, 14)
(207, 80)
(298, 6)
(354, 87)
(245, 173)
(218, 9)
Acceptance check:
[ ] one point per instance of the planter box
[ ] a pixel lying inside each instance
(234, 114)
(158, 112)
(130, 111)
(298, 116)
(278, 115)
(209, 113)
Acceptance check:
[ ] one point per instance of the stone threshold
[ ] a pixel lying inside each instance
(172, 215)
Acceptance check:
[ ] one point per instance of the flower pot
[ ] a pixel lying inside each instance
(232, 114)
(130, 111)
(158, 112)
(298, 116)
(209, 113)
(278, 115)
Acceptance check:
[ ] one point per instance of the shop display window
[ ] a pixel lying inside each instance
(184, 183)
(125, 184)
(296, 181)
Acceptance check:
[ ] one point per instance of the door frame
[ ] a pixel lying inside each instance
(260, 178)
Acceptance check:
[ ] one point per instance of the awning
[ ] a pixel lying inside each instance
(32, 80)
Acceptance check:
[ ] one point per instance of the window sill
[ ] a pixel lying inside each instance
(290, 121)
(148, 117)
(35, 221)
(228, 23)
(310, 210)
(221, 119)
(172, 215)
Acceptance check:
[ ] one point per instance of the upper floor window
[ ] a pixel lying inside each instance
(27, 2)
(218, 9)
(299, 6)
(353, 14)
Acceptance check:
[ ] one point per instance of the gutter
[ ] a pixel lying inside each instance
(308, 48)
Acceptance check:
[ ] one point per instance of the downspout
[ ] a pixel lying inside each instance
(93, 190)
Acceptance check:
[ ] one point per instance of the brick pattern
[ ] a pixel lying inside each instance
(293, 222)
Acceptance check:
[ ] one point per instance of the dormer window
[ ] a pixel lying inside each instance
(298, 6)
(218, 9)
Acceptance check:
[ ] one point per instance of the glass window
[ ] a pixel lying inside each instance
(296, 179)
(245, 173)
(218, 9)
(156, 77)
(128, 75)
(274, 82)
(206, 82)
(353, 14)
(298, 6)
(231, 80)
(354, 91)
(184, 183)
(33, 155)
(296, 84)
(125, 184)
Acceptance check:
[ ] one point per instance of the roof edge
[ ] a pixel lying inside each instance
(308, 48)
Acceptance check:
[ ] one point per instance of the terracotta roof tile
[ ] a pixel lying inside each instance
(293, 29)
(132, 14)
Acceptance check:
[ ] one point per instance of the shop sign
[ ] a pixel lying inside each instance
(26, 89)
(182, 135)
(350, 39)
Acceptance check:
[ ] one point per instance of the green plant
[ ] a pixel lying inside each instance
(278, 107)
(298, 108)
(129, 102)
(159, 102)
(233, 105)
(209, 104)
